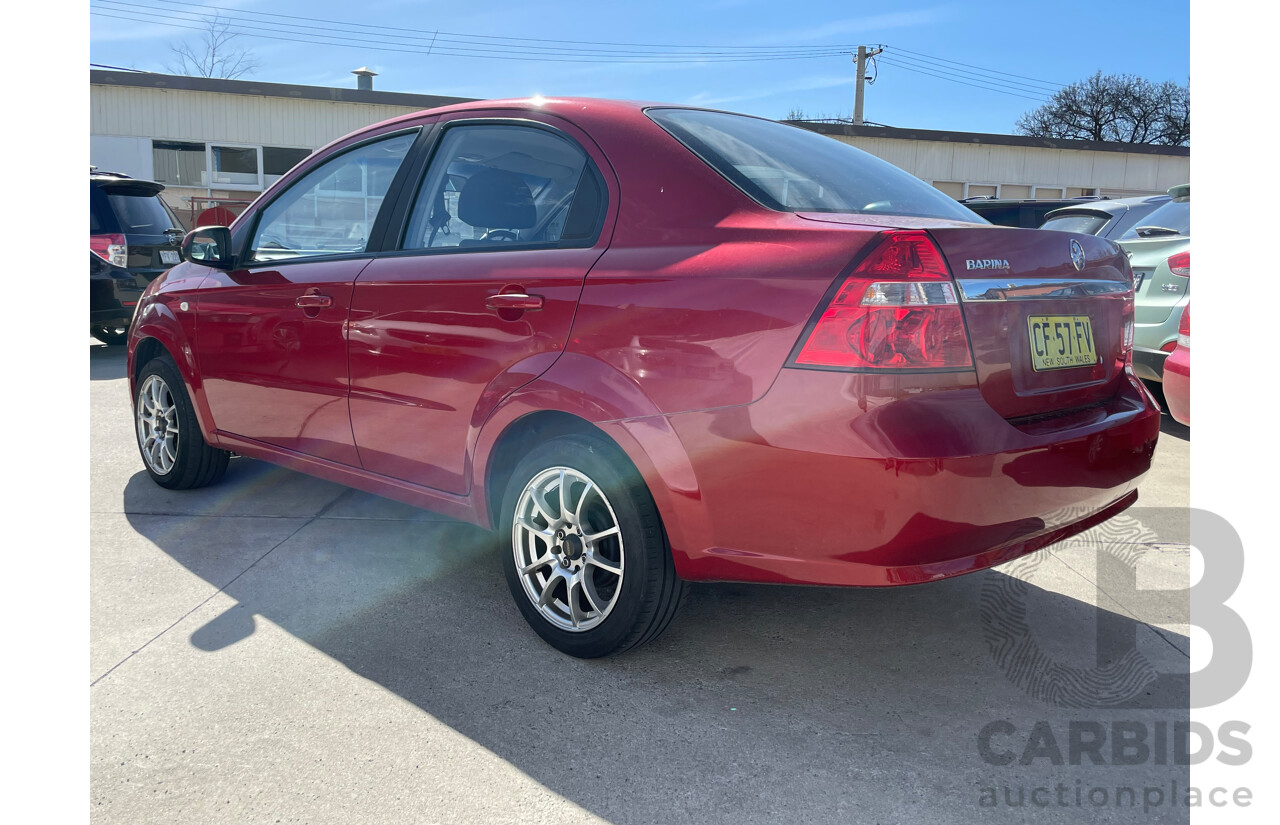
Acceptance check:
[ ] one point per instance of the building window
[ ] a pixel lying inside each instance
(234, 166)
(982, 190)
(178, 164)
(1050, 192)
(278, 160)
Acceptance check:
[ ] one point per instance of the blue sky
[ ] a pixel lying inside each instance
(1019, 48)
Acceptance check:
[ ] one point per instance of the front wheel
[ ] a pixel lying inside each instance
(169, 438)
(585, 554)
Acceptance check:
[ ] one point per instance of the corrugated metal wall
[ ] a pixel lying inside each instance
(1030, 166)
(276, 121)
(232, 118)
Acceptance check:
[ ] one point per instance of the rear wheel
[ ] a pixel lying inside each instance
(110, 334)
(169, 438)
(584, 550)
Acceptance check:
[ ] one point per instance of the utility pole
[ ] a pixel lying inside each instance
(861, 60)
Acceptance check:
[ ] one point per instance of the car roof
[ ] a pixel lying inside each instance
(1108, 207)
(116, 180)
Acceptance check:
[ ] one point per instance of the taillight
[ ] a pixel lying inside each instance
(897, 310)
(1184, 328)
(1180, 264)
(111, 248)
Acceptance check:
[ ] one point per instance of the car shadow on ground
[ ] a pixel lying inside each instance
(1171, 428)
(761, 703)
(106, 363)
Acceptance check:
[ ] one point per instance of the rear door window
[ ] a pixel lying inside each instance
(491, 186)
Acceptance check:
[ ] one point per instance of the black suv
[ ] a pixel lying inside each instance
(133, 237)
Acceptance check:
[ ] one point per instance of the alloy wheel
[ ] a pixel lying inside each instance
(568, 548)
(157, 414)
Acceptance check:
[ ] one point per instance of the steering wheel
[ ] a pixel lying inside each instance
(500, 235)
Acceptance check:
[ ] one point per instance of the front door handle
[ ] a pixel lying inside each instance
(313, 301)
(514, 300)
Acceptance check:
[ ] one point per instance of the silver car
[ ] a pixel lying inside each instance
(1104, 218)
(1159, 249)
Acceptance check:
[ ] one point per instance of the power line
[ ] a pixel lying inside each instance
(961, 82)
(495, 54)
(996, 84)
(934, 59)
(974, 75)
(444, 42)
(485, 37)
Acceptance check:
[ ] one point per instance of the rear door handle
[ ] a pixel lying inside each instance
(313, 301)
(514, 300)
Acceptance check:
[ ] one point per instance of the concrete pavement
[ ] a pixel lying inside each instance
(281, 649)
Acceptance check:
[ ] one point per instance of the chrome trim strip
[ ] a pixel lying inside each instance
(973, 290)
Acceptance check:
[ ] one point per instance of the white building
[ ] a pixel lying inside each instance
(213, 141)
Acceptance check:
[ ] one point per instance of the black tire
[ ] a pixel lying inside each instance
(195, 463)
(650, 592)
(110, 335)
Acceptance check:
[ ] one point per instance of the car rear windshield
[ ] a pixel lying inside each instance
(1087, 223)
(141, 214)
(1173, 218)
(790, 169)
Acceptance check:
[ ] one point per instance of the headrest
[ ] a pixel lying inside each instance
(497, 198)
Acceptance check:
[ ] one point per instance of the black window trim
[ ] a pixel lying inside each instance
(398, 225)
(372, 248)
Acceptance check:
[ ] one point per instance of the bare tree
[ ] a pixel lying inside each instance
(215, 54)
(1117, 107)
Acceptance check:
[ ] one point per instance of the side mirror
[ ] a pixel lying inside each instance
(209, 245)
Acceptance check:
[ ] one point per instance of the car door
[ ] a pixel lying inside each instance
(271, 334)
(496, 243)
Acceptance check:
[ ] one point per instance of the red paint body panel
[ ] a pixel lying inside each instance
(673, 336)
(274, 371)
(427, 355)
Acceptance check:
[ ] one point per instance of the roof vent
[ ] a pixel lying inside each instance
(364, 78)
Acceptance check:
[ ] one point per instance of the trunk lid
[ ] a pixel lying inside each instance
(1046, 314)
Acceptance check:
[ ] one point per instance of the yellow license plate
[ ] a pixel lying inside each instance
(1061, 341)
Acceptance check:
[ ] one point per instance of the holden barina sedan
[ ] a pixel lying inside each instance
(649, 345)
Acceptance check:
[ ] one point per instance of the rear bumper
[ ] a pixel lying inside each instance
(1177, 385)
(113, 300)
(839, 479)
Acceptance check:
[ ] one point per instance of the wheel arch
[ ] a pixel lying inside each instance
(150, 341)
(584, 396)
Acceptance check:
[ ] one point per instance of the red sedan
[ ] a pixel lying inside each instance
(650, 345)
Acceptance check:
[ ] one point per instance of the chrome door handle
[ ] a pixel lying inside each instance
(313, 301)
(514, 300)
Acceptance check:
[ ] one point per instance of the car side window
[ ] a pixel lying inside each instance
(491, 186)
(331, 210)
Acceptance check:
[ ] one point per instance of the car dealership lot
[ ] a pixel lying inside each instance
(279, 648)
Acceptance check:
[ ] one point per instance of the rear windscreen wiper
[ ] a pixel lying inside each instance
(1148, 231)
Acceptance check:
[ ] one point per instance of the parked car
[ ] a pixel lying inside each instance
(650, 345)
(1027, 214)
(130, 228)
(114, 293)
(1159, 250)
(1177, 372)
(1106, 218)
